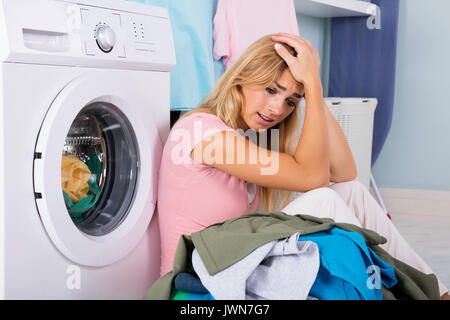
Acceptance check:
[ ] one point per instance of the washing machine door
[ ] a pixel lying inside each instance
(95, 170)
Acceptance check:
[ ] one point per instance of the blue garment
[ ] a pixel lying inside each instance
(199, 296)
(185, 281)
(196, 70)
(346, 267)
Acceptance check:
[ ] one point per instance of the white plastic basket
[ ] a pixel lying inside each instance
(355, 117)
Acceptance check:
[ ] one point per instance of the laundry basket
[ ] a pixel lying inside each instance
(355, 117)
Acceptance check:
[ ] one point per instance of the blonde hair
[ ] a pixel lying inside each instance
(259, 65)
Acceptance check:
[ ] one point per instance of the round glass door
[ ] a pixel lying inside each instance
(99, 168)
(95, 168)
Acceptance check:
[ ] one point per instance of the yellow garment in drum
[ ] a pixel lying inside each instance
(74, 177)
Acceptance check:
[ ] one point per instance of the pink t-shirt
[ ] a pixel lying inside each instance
(239, 23)
(193, 196)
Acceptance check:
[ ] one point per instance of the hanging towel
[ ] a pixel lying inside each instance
(237, 24)
(195, 72)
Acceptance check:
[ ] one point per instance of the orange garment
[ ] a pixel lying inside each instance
(74, 177)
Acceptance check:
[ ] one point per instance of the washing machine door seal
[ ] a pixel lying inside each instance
(80, 247)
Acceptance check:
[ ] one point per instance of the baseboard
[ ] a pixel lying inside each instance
(415, 201)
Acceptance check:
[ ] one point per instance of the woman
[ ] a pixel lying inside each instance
(209, 167)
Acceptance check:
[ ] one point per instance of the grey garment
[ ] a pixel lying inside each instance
(279, 270)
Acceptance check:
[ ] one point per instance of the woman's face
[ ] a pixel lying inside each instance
(265, 107)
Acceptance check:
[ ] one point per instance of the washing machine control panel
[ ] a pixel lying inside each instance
(102, 33)
(88, 33)
(105, 37)
(123, 36)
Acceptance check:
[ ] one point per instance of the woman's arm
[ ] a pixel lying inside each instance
(306, 170)
(313, 149)
(342, 164)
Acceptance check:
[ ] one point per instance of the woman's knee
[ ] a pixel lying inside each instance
(346, 188)
(324, 192)
(310, 200)
(356, 184)
(330, 204)
(323, 195)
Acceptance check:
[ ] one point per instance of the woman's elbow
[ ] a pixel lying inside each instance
(341, 176)
(352, 174)
(322, 179)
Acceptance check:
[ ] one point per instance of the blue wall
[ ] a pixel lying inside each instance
(416, 154)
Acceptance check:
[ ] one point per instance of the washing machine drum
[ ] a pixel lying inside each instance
(100, 163)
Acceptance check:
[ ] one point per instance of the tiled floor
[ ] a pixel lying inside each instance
(429, 235)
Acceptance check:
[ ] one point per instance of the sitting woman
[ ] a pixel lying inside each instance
(211, 171)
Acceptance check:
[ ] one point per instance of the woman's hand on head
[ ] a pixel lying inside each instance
(305, 66)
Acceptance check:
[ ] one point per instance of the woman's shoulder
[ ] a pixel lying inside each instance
(198, 112)
(207, 116)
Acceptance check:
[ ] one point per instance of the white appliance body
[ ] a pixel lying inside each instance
(53, 66)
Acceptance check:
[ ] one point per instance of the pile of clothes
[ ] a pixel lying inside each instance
(288, 257)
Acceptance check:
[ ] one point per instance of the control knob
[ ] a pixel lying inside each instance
(106, 38)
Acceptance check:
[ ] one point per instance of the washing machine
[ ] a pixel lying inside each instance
(84, 114)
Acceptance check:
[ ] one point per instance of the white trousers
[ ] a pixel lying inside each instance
(351, 202)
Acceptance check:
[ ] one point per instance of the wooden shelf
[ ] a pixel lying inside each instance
(335, 8)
